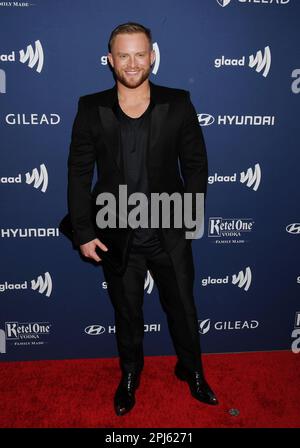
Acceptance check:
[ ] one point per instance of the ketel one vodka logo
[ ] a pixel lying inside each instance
(242, 280)
(32, 57)
(260, 61)
(219, 227)
(42, 285)
(36, 178)
(26, 330)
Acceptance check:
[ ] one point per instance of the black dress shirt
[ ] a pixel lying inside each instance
(134, 141)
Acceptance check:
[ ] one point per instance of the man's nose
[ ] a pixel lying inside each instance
(132, 62)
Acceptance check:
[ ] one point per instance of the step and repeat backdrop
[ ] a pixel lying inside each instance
(240, 60)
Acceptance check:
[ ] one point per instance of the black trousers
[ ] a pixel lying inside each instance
(173, 274)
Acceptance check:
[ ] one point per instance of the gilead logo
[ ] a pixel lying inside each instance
(205, 325)
(224, 3)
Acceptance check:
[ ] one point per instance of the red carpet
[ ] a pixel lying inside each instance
(264, 387)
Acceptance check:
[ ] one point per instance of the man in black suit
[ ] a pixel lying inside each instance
(136, 133)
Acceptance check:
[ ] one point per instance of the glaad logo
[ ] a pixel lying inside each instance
(250, 177)
(205, 325)
(2, 81)
(43, 285)
(242, 280)
(293, 228)
(34, 57)
(296, 334)
(94, 330)
(261, 62)
(104, 58)
(157, 58)
(2, 341)
(148, 285)
(237, 120)
(39, 179)
(31, 57)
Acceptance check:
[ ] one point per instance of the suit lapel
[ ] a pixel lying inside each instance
(111, 132)
(111, 128)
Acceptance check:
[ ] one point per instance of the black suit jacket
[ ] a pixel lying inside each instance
(176, 162)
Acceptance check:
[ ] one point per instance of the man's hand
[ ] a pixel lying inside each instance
(89, 249)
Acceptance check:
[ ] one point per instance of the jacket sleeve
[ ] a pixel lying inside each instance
(192, 152)
(81, 163)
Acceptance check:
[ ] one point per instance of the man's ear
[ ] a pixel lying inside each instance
(109, 57)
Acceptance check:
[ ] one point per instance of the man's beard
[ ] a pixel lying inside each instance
(132, 82)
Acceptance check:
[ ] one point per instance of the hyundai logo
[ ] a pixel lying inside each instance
(94, 330)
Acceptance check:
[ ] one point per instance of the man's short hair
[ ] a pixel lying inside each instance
(129, 28)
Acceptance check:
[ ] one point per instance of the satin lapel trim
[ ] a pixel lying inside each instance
(111, 132)
(158, 118)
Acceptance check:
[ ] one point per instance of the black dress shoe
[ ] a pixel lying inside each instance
(125, 394)
(198, 386)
